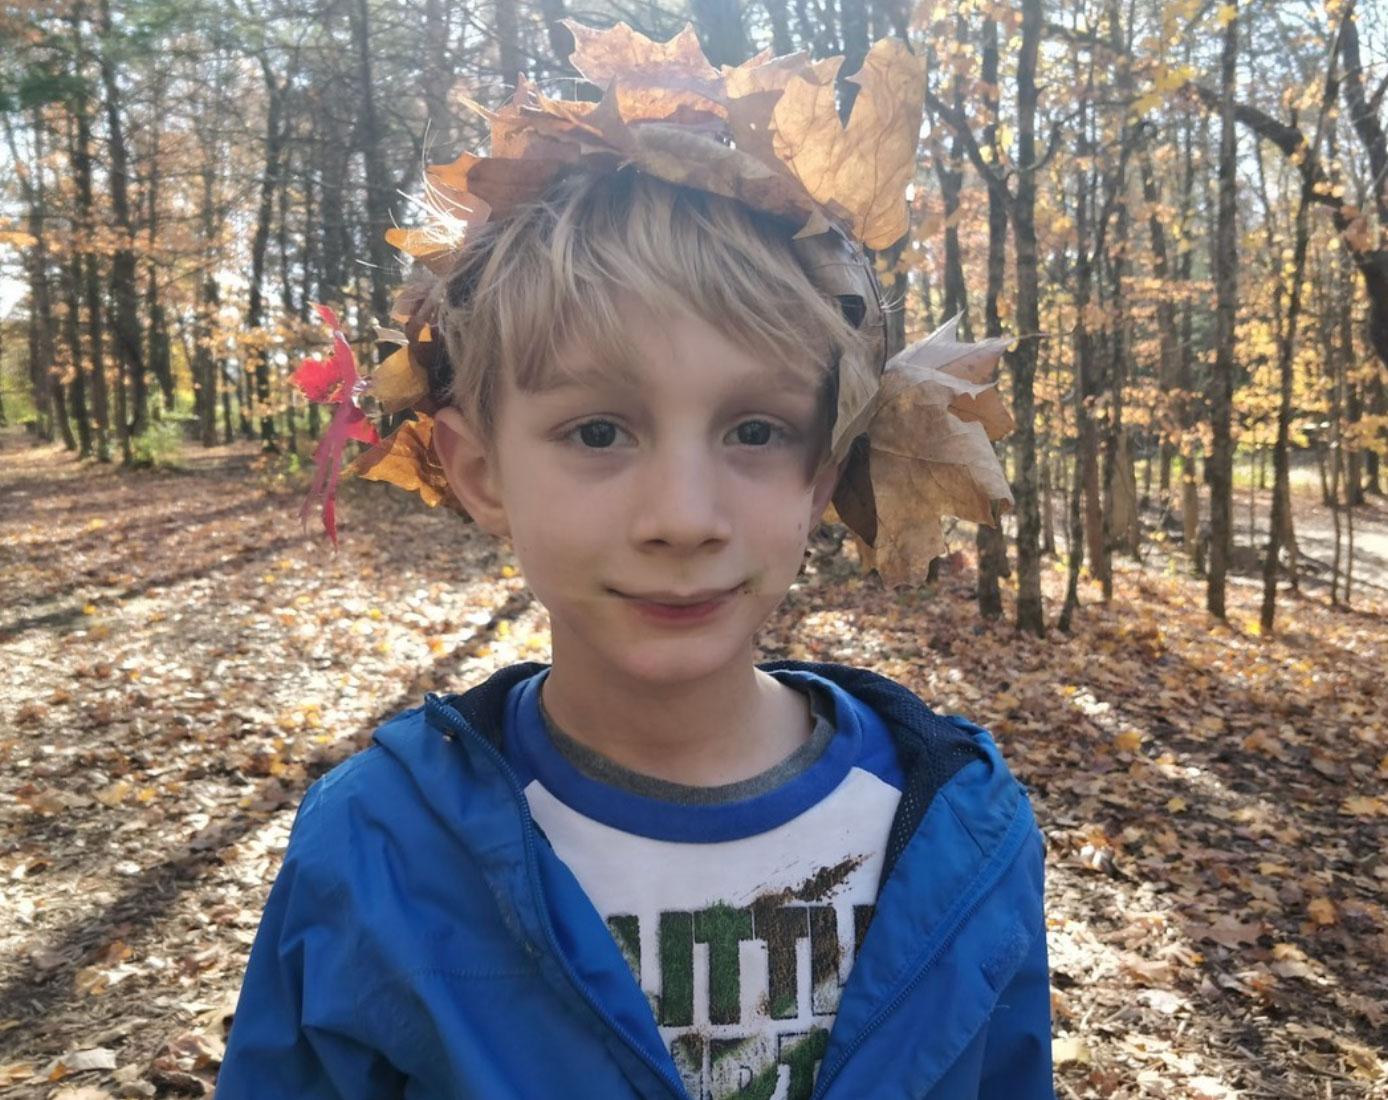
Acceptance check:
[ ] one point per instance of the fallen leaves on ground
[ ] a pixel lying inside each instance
(188, 662)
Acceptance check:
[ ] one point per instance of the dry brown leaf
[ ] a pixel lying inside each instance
(80, 1061)
(860, 170)
(601, 56)
(497, 182)
(926, 460)
(754, 88)
(766, 132)
(399, 383)
(1229, 931)
(406, 458)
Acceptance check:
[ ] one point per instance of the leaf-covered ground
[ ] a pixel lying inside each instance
(181, 662)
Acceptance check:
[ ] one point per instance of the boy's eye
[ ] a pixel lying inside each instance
(755, 433)
(597, 434)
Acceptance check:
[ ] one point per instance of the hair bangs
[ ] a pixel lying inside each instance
(550, 286)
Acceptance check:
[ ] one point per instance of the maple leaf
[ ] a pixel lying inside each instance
(337, 380)
(930, 452)
(862, 168)
(650, 80)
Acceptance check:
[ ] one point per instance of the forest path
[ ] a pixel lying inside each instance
(1314, 526)
(184, 661)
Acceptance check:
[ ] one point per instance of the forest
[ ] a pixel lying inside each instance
(1179, 209)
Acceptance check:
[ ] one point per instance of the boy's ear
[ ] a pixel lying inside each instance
(471, 468)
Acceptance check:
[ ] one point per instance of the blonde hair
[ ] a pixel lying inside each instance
(554, 272)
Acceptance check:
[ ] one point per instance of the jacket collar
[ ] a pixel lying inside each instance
(932, 748)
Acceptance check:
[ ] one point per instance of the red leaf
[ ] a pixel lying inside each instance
(318, 380)
(326, 381)
(363, 431)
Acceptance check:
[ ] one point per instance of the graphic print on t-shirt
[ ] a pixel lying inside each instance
(785, 950)
(739, 921)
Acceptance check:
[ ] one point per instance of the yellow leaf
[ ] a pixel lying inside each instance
(1128, 741)
(90, 980)
(1147, 104)
(1364, 806)
(1322, 911)
(1069, 1048)
(113, 795)
(399, 383)
(406, 458)
(1177, 805)
(1226, 14)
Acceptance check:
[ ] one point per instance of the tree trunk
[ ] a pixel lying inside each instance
(507, 32)
(1167, 364)
(990, 544)
(82, 172)
(380, 188)
(1030, 611)
(437, 78)
(1280, 524)
(561, 41)
(719, 26)
(72, 335)
(158, 352)
(259, 353)
(1190, 484)
(781, 41)
(124, 291)
(1120, 509)
(205, 360)
(1220, 466)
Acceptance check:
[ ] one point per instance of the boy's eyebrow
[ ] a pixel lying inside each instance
(586, 374)
(591, 376)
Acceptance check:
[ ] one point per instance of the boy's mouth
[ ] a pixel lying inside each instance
(679, 607)
(681, 599)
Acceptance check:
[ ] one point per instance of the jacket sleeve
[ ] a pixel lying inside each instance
(1017, 1053)
(291, 1035)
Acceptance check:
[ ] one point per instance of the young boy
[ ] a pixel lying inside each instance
(652, 869)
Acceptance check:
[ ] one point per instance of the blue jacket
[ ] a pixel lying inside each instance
(423, 941)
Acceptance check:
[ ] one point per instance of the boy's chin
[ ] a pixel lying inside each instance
(668, 664)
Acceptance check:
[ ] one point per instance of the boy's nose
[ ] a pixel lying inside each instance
(680, 503)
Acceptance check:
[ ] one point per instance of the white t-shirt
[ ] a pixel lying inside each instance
(739, 909)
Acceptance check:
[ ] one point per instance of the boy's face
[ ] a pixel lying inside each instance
(659, 511)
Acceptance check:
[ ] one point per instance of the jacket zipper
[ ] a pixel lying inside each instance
(458, 725)
(1002, 860)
